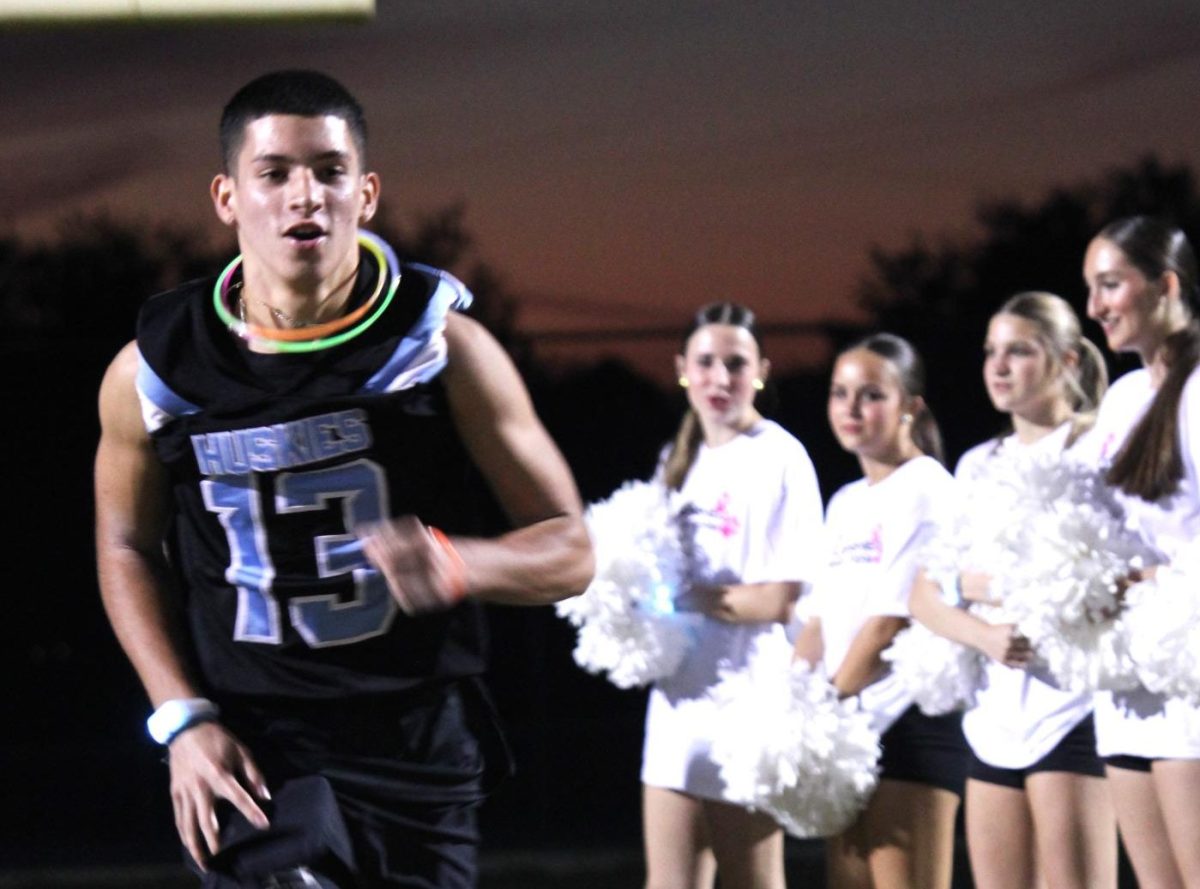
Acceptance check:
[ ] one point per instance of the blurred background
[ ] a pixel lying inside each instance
(595, 171)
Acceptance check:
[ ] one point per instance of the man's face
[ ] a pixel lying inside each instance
(296, 197)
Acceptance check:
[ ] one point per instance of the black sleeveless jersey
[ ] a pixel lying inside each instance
(273, 460)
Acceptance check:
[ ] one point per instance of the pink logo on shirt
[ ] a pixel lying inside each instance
(859, 551)
(876, 543)
(729, 523)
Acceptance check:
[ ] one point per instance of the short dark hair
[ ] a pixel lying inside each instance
(303, 93)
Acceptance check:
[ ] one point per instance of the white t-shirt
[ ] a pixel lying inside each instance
(1140, 723)
(750, 512)
(874, 535)
(1017, 718)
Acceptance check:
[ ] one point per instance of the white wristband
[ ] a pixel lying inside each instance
(178, 715)
(950, 589)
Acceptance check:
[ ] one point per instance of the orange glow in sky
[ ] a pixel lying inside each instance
(624, 163)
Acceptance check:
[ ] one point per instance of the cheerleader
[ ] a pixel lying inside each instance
(1037, 810)
(874, 529)
(1142, 289)
(749, 508)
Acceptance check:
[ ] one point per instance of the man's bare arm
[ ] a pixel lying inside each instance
(548, 555)
(131, 511)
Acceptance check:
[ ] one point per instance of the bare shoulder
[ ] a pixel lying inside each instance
(469, 343)
(494, 416)
(129, 484)
(478, 369)
(461, 329)
(120, 411)
(125, 363)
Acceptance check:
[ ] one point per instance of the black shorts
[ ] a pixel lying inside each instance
(380, 792)
(925, 750)
(1128, 762)
(1075, 753)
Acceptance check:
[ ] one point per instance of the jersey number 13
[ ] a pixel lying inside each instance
(360, 491)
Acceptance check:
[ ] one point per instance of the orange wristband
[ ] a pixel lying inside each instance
(458, 573)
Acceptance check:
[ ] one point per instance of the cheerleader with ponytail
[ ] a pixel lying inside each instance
(748, 511)
(1142, 289)
(875, 531)
(1037, 809)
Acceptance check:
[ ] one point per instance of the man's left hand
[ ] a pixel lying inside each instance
(423, 572)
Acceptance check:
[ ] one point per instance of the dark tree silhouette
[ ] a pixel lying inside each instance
(441, 239)
(941, 297)
(90, 280)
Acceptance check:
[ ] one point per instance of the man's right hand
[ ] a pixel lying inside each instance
(208, 764)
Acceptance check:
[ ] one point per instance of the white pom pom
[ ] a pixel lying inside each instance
(1069, 551)
(1051, 535)
(787, 746)
(941, 675)
(627, 625)
(1163, 622)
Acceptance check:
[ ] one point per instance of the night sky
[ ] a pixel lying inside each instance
(622, 163)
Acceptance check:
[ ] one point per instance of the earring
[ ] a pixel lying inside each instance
(683, 382)
(906, 418)
(758, 384)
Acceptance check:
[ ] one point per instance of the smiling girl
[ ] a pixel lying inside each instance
(1142, 289)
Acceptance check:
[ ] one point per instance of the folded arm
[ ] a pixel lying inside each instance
(1000, 642)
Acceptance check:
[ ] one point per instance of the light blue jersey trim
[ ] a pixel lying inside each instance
(421, 355)
(160, 403)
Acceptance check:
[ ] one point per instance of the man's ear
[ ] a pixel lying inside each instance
(370, 194)
(224, 201)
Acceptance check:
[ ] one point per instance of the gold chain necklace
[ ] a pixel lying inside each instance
(280, 316)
